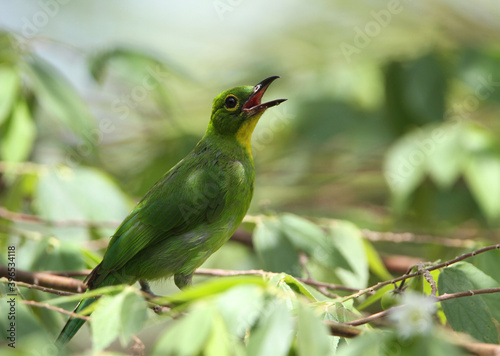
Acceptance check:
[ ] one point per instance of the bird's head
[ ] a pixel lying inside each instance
(236, 111)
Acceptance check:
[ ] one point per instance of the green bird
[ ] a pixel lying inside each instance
(190, 212)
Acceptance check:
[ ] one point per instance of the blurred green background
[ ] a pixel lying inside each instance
(392, 119)
(128, 92)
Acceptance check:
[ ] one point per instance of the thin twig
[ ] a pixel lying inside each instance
(27, 218)
(331, 286)
(441, 298)
(430, 268)
(428, 277)
(137, 349)
(57, 309)
(415, 238)
(468, 293)
(303, 259)
(43, 289)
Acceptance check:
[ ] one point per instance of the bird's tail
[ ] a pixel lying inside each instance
(73, 324)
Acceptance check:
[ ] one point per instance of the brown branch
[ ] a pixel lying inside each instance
(57, 309)
(399, 264)
(243, 237)
(370, 318)
(337, 329)
(46, 280)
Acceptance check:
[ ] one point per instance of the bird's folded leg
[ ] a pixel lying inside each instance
(146, 288)
(183, 280)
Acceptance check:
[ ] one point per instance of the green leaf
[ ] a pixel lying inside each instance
(20, 134)
(131, 63)
(481, 280)
(211, 287)
(472, 315)
(415, 92)
(219, 342)
(489, 263)
(286, 293)
(274, 332)
(121, 315)
(299, 287)
(349, 241)
(370, 343)
(375, 343)
(302, 233)
(133, 314)
(240, 307)
(188, 335)
(424, 88)
(405, 166)
(482, 173)
(52, 254)
(341, 312)
(84, 194)
(312, 334)
(375, 262)
(8, 91)
(274, 249)
(106, 321)
(376, 296)
(446, 154)
(60, 99)
(311, 239)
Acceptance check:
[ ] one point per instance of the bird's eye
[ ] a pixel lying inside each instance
(231, 102)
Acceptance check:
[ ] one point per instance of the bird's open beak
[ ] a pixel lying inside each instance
(253, 104)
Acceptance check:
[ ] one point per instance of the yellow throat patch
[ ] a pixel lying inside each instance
(244, 134)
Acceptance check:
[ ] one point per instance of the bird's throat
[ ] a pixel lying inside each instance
(244, 134)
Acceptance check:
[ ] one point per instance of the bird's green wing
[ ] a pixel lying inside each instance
(188, 195)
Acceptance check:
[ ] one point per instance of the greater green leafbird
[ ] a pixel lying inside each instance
(192, 210)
